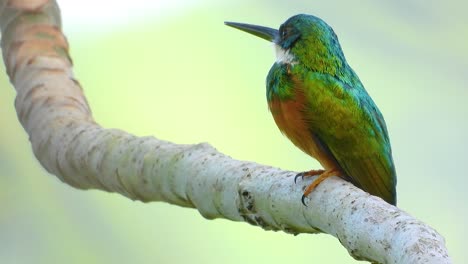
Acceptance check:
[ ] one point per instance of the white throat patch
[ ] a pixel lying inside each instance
(284, 56)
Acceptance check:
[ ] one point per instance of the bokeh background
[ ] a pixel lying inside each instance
(173, 70)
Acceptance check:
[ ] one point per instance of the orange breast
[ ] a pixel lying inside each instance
(290, 119)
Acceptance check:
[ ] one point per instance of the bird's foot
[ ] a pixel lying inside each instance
(310, 173)
(324, 174)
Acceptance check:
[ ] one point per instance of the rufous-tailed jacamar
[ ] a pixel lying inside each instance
(320, 104)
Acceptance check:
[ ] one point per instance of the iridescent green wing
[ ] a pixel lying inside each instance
(345, 121)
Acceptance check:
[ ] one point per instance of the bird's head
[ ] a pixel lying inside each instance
(302, 39)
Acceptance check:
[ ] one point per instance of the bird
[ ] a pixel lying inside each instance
(318, 101)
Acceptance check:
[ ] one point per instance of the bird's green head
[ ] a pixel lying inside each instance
(302, 39)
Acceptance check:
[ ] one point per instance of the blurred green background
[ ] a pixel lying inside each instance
(173, 70)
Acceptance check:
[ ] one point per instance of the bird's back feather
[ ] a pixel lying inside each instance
(349, 124)
(342, 121)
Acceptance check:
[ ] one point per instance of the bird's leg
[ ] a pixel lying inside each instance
(308, 174)
(324, 175)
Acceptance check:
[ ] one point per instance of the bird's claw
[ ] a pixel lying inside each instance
(303, 200)
(301, 175)
(304, 174)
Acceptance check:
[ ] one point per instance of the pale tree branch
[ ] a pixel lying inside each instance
(69, 144)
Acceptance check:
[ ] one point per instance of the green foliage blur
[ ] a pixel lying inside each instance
(187, 78)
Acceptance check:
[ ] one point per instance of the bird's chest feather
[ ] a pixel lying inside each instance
(291, 111)
(289, 117)
(287, 103)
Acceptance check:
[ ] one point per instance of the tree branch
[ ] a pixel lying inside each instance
(68, 143)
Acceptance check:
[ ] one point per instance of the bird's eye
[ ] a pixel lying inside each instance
(284, 33)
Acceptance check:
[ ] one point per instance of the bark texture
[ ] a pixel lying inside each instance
(69, 144)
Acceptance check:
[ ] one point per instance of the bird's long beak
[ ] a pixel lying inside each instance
(269, 34)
